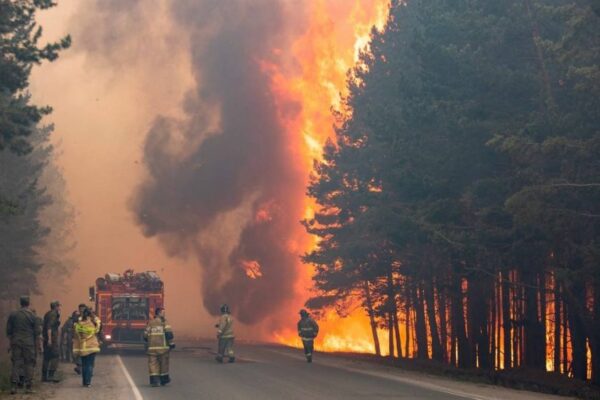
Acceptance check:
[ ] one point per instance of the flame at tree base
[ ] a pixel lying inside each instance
(337, 31)
(339, 334)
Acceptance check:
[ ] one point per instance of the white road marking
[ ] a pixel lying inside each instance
(408, 381)
(136, 393)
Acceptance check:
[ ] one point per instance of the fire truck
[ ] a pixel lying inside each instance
(124, 304)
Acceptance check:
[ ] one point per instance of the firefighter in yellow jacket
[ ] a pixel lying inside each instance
(86, 345)
(160, 340)
(225, 335)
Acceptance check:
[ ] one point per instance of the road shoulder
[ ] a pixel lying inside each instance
(109, 383)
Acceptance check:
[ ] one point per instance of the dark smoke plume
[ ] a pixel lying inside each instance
(222, 184)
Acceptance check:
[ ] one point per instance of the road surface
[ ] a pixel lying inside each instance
(266, 372)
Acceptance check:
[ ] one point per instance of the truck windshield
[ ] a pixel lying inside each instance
(129, 308)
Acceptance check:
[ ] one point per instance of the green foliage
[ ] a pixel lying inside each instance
(19, 52)
(25, 153)
(469, 145)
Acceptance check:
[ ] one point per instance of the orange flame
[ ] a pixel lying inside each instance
(338, 31)
(252, 269)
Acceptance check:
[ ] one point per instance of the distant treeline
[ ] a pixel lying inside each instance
(460, 201)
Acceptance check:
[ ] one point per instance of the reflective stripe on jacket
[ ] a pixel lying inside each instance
(159, 336)
(85, 341)
(225, 327)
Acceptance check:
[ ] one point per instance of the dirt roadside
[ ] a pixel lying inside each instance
(108, 383)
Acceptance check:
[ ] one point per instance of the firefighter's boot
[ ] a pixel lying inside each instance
(154, 380)
(44, 375)
(13, 388)
(309, 358)
(164, 380)
(29, 389)
(231, 359)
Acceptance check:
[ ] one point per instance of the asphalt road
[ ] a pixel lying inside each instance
(263, 372)
(270, 372)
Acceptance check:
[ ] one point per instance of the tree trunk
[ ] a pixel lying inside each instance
(443, 320)
(392, 309)
(506, 321)
(557, 324)
(421, 329)
(458, 325)
(595, 340)
(535, 340)
(407, 311)
(436, 346)
(477, 313)
(372, 321)
(578, 337)
(397, 334)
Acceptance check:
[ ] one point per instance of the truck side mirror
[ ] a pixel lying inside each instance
(92, 293)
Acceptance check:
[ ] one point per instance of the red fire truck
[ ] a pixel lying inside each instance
(125, 303)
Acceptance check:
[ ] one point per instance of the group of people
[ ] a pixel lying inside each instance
(30, 335)
(79, 342)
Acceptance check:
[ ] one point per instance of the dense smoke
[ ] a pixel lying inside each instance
(222, 183)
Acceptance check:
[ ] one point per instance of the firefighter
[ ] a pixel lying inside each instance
(308, 331)
(67, 333)
(225, 335)
(24, 331)
(51, 345)
(159, 340)
(85, 345)
(80, 309)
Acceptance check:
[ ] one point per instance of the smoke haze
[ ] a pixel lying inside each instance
(185, 89)
(222, 184)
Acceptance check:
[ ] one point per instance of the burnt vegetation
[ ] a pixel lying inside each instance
(460, 202)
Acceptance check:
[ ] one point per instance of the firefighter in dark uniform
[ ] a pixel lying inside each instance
(225, 335)
(23, 329)
(160, 341)
(308, 331)
(67, 332)
(51, 345)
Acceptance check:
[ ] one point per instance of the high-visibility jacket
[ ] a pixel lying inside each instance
(85, 341)
(225, 327)
(158, 335)
(308, 328)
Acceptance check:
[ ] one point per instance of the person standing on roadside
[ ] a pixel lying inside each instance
(225, 335)
(23, 330)
(86, 345)
(67, 333)
(51, 342)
